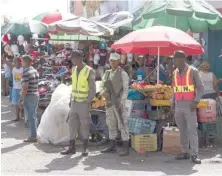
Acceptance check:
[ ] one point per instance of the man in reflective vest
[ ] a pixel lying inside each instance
(83, 92)
(188, 90)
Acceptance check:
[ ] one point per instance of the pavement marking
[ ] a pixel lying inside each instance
(6, 112)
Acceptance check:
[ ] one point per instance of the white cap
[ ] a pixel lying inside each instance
(114, 56)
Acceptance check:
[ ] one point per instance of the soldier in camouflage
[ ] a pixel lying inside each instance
(116, 114)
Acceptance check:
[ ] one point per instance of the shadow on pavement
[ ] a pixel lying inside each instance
(152, 162)
(156, 162)
(14, 147)
(48, 148)
(11, 129)
(134, 162)
(61, 164)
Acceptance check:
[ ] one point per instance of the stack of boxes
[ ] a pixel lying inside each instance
(143, 138)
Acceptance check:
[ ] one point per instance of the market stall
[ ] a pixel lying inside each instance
(150, 116)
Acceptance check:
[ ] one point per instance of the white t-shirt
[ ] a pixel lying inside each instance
(96, 56)
(208, 81)
(130, 57)
(15, 49)
(17, 78)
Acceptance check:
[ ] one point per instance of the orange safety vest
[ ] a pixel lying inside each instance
(183, 87)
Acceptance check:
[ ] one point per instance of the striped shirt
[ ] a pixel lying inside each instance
(31, 76)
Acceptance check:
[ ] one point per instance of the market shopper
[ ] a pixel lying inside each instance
(211, 89)
(17, 72)
(29, 95)
(188, 90)
(115, 84)
(83, 92)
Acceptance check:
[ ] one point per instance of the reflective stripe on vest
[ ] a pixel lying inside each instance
(183, 86)
(80, 85)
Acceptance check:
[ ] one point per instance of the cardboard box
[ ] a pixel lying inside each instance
(171, 140)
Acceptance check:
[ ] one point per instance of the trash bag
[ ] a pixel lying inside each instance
(219, 106)
(53, 127)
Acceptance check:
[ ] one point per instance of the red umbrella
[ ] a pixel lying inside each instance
(167, 39)
(51, 17)
(158, 40)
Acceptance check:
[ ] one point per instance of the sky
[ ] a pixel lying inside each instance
(18, 9)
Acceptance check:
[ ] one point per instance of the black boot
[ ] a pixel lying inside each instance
(85, 147)
(110, 148)
(70, 150)
(195, 159)
(183, 156)
(124, 150)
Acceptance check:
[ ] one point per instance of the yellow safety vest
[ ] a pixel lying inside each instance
(80, 85)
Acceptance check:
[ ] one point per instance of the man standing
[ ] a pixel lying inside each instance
(115, 109)
(188, 90)
(83, 92)
(29, 95)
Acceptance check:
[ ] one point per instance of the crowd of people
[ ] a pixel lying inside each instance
(116, 74)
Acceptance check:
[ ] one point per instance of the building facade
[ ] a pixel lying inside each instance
(91, 8)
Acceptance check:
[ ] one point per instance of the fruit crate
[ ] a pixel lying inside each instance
(203, 138)
(160, 102)
(212, 129)
(144, 142)
(138, 125)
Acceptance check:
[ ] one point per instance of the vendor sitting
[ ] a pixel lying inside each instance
(143, 72)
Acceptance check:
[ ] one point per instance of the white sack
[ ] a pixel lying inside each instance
(53, 127)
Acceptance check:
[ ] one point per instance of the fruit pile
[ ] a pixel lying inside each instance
(142, 85)
(163, 93)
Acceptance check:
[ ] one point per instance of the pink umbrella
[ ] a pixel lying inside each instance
(158, 40)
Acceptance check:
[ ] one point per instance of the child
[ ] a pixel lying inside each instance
(17, 86)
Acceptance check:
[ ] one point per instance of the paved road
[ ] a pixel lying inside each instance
(20, 158)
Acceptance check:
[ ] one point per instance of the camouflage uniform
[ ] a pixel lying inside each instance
(120, 82)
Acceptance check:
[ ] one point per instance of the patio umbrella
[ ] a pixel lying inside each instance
(51, 17)
(80, 25)
(24, 27)
(158, 40)
(193, 15)
(118, 20)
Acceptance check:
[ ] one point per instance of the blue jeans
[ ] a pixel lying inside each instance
(30, 106)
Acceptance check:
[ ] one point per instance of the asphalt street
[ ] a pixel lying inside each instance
(18, 158)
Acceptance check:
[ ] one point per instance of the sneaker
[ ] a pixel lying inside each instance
(195, 159)
(31, 139)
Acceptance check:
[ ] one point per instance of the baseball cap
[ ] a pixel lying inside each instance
(76, 53)
(114, 56)
(27, 57)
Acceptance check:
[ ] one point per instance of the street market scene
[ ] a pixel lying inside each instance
(110, 87)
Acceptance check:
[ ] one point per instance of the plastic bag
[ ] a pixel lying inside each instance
(219, 106)
(53, 127)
